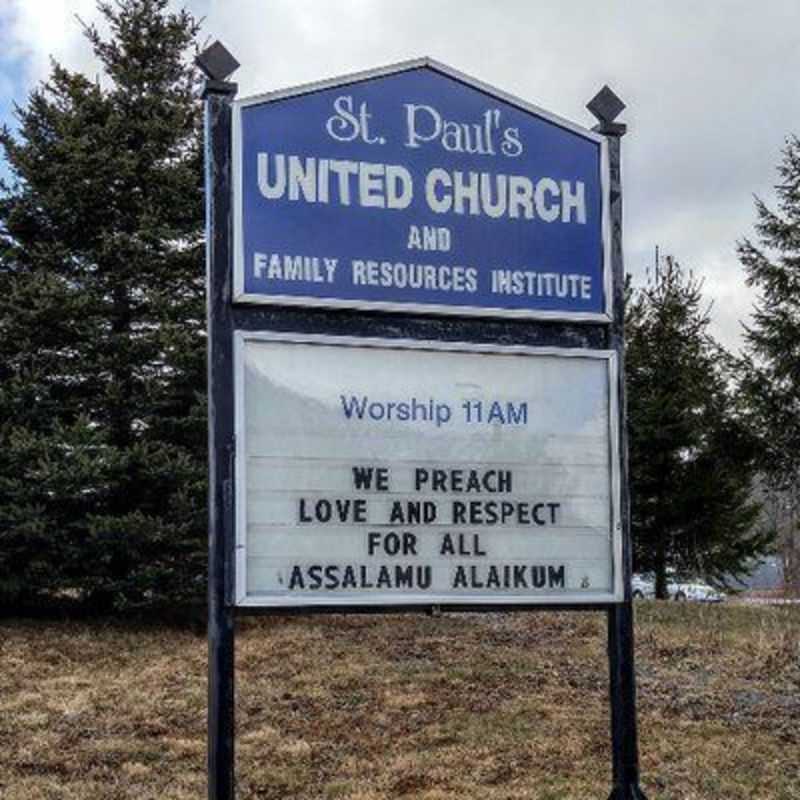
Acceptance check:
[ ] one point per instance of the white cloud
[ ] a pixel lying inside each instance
(41, 29)
(711, 89)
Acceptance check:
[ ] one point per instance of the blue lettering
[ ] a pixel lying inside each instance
(496, 413)
(412, 410)
(518, 415)
(353, 406)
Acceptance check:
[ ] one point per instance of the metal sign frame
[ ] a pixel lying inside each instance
(226, 316)
(241, 296)
(376, 599)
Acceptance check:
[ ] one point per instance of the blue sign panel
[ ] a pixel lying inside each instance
(415, 188)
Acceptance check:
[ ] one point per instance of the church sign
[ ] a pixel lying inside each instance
(405, 472)
(416, 189)
(369, 453)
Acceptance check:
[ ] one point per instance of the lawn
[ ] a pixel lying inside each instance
(454, 706)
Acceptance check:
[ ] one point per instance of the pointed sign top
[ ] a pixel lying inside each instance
(216, 62)
(605, 105)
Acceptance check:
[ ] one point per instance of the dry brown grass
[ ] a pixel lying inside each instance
(369, 708)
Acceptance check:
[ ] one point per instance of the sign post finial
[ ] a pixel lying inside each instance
(606, 106)
(217, 64)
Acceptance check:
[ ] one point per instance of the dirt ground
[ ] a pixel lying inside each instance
(368, 708)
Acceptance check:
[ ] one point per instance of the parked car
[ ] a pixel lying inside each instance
(695, 589)
(681, 589)
(643, 586)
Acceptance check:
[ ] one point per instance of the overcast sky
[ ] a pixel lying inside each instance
(711, 87)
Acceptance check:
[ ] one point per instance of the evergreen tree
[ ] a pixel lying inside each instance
(772, 366)
(102, 348)
(692, 457)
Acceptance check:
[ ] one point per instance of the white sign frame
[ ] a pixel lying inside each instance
(378, 599)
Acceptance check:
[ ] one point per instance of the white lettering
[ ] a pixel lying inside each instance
(302, 178)
(466, 190)
(573, 200)
(370, 184)
(259, 264)
(391, 186)
(545, 210)
(399, 187)
(343, 125)
(343, 170)
(520, 196)
(274, 190)
(414, 136)
(442, 204)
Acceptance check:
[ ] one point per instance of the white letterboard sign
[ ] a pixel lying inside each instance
(397, 472)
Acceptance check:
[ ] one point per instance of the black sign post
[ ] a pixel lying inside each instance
(217, 64)
(606, 106)
(226, 317)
